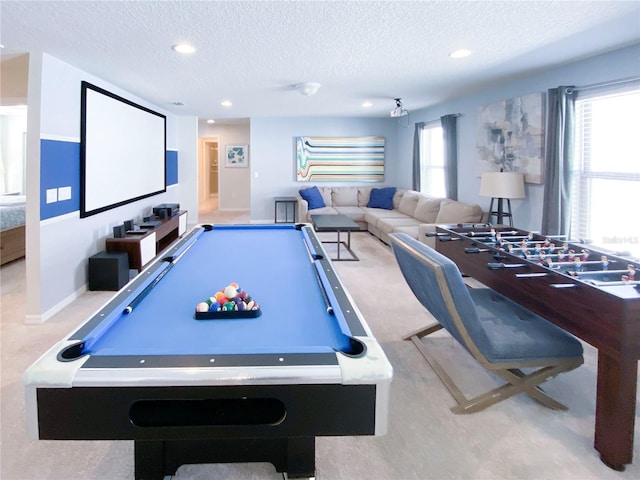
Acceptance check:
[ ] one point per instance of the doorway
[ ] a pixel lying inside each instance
(212, 163)
(209, 176)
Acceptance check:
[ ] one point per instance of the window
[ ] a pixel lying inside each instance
(606, 173)
(432, 160)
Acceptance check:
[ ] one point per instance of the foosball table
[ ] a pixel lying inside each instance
(593, 295)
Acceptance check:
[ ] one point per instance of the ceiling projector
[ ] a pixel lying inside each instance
(399, 111)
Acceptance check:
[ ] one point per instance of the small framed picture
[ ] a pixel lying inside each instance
(237, 156)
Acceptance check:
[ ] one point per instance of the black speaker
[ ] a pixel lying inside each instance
(108, 270)
(128, 225)
(163, 214)
(119, 231)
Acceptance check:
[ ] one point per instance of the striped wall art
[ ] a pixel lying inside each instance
(345, 159)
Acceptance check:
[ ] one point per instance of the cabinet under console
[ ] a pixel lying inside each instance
(143, 247)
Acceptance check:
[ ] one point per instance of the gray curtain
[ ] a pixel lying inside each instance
(556, 207)
(415, 184)
(450, 142)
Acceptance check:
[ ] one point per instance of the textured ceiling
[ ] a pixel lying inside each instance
(253, 52)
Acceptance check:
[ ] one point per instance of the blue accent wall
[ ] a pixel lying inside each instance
(172, 167)
(60, 167)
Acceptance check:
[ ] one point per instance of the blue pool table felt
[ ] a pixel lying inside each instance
(270, 263)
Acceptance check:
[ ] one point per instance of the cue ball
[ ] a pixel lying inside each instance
(230, 291)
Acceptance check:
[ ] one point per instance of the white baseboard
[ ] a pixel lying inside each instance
(43, 317)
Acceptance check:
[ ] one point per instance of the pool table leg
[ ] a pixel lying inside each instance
(301, 457)
(155, 459)
(149, 460)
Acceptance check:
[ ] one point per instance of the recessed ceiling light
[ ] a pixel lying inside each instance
(460, 53)
(226, 103)
(184, 48)
(210, 121)
(367, 105)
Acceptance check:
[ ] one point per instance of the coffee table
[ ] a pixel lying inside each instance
(337, 223)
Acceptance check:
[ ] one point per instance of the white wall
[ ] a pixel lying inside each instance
(273, 160)
(623, 63)
(234, 192)
(58, 247)
(12, 149)
(187, 129)
(13, 80)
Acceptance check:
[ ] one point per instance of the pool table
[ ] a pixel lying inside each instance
(189, 390)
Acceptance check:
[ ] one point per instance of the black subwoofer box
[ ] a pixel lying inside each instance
(108, 270)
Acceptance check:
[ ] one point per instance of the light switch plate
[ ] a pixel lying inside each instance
(64, 193)
(52, 195)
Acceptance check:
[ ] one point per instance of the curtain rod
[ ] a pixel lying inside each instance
(603, 84)
(438, 119)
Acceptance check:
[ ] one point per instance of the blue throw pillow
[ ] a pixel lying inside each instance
(382, 198)
(313, 197)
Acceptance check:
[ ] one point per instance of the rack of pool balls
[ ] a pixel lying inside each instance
(230, 302)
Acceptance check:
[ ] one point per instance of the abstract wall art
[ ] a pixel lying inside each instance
(237, 156)
(510, 137)
(346, 159)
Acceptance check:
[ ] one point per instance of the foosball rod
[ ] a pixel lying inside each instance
(588, 262)
(601, 272)
(489, 234)
(512, 247)
(617, 283)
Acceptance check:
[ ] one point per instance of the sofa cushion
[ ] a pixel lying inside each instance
(392, 222)
(409, 203)
(321, 211)
(373, 215)
(313, 197)
(411, 230)
(327, 193)
(363, 195)
(428, 208)
(390, 225)
(354, 213)
(457, 212)
(382, 198)
(397, 197)
(344, 197)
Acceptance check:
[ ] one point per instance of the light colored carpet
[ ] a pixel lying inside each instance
(515, 439)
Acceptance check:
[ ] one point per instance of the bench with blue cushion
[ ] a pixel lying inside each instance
(501, 335)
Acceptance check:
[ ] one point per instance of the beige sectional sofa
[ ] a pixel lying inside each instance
(413, 213)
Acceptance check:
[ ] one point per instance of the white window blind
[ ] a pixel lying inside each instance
(432, 160)
(606, 173)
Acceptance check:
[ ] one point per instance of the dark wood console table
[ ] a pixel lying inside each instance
(142, 248)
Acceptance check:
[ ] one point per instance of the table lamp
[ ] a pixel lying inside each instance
(501, 186)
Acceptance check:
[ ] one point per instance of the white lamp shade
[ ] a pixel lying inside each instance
(502, 185)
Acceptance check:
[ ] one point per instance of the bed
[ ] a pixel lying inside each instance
(12, 233)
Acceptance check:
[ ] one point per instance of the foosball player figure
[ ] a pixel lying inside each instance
(585, 254)
(631, 272)
(605, 262)
(577, 264)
